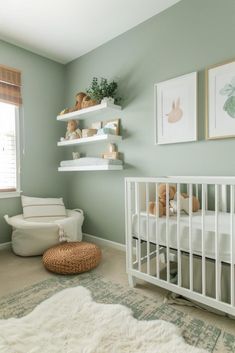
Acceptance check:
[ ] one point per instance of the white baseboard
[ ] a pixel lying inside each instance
(87, 237)
(5, 245)
(104, 242)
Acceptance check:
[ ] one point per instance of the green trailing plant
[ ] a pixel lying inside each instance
(100, 89)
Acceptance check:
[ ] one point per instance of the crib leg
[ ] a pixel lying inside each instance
(131, 281)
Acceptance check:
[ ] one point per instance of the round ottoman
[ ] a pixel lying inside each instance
(71, 258)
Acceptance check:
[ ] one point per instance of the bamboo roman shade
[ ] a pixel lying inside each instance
(10, 85)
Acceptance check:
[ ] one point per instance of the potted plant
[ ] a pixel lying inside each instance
(103, 91)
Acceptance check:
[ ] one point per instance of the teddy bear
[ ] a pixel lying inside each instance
(88, 102)
(78, 104)
(184, 202)
(162, 199)
(79, 98)
(72, 130)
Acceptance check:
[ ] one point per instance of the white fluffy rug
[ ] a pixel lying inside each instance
(71, 322)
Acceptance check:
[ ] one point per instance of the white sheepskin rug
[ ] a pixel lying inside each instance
(71, 322)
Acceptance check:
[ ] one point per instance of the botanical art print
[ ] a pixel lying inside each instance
(229, 92)
(176, 109)
(221, 101)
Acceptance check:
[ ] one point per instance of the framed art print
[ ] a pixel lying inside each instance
(176, 110)
(220, 101)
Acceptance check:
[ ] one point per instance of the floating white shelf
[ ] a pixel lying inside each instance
(87, 112)
(92, 139)
(90, 168)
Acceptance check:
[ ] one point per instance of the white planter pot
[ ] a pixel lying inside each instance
(108, 100)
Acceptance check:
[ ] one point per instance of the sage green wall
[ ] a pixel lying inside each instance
(43, 97)
(187, 37)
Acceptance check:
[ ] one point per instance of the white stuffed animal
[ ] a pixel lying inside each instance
(184, 204)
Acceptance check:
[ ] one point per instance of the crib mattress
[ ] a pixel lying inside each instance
(209, 235)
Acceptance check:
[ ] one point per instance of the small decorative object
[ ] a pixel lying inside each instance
(112, 147)
(64, 111)
(88, 132)
(76, 155)
(72, 130)
(103, 131)
(112, 153)
(108, 100)
(103, 89)
(221, 101)
(176, 109)
(88, 102)
(111, 127)
(96, 125)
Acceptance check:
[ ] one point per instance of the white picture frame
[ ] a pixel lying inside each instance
(220, 101)
(176, 110)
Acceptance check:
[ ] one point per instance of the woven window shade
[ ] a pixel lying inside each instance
(10, 85)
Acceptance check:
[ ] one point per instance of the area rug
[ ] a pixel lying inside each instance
(70, 321)
(196, 332)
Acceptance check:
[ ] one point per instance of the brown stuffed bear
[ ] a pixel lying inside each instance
(184, 202)
(162, 199)
(78, 104)
(79, 99)
(88, 102)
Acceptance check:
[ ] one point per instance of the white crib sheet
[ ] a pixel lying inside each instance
(223, 232)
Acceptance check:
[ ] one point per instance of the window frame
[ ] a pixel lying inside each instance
(17, 192)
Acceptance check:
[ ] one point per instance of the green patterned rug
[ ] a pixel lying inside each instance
(196, 332)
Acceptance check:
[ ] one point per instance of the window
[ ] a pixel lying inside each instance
(10, 100)
(9, 149)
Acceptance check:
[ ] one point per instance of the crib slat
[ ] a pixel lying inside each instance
(138, 250)
(178, 236)
(206, 192)
(147, 226)
(190, 238)
(217, 261)
(197, 192)
(129, 225)
(167, 234)
(232, 258)
(203, 240)
(223, 198)
(157, 233)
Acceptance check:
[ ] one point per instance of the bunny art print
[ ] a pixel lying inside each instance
(176, 109)
(176, 112)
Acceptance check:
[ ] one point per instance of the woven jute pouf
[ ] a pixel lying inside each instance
(71, 258)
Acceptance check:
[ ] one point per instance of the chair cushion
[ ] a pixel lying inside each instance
(71, 258)
(35, 207)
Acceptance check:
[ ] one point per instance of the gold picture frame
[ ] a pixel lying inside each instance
(211, 93)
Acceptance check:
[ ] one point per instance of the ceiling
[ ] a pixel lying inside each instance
(63, 30)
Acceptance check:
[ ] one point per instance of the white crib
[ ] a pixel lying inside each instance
(190, 254)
